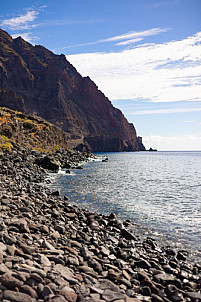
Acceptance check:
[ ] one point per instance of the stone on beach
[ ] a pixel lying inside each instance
(53, 251)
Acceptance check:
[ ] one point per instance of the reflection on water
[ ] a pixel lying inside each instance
(160, 191)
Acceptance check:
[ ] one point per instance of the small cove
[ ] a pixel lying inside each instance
(158, 191)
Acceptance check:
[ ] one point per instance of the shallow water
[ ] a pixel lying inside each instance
(158, 191)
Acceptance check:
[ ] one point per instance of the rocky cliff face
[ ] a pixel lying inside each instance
(37, 82)
(32, 132)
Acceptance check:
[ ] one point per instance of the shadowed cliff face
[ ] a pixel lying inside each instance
(38, 82)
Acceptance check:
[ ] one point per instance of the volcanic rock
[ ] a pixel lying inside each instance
(35, 81)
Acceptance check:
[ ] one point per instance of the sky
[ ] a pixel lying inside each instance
(144, 55)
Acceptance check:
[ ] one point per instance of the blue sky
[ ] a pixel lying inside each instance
(144, 55)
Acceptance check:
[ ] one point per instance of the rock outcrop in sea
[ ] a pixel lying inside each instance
(37, 82)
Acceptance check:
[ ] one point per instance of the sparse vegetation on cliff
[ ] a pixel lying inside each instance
(32, 132)
(35, 81)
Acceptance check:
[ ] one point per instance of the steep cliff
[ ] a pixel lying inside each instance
(37, 82)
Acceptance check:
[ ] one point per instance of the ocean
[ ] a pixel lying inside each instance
(159, 192)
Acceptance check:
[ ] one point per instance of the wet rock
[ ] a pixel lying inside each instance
(181, 255)
(112, 219)
(49, 163)
(128, 235)
(56, 193)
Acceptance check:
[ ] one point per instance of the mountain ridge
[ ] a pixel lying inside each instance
(37, 82)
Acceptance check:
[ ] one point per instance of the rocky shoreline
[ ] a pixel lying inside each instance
(53, 251)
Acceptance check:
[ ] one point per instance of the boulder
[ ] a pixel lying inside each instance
(48, 163)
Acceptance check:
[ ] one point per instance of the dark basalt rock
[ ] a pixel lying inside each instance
(52, 250)
(35, 81)
(49, 163)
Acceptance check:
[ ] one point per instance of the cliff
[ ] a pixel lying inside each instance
(39, 83)
(31, 132)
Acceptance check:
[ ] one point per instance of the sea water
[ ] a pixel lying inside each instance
(160, 192)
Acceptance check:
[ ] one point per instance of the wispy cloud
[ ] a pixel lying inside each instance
(28, 36)
(127, 38)
(64, 22)
(136, 34)
(131, 41)
(25, 20)
(22, 22)
(163, 3)
(168, 72)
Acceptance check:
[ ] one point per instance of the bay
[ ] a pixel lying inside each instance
(160, 192)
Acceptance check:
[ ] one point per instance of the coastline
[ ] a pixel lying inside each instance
(51, 250)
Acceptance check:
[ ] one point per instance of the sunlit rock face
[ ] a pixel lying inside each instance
(37, 82)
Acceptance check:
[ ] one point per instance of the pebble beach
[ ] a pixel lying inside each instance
(52, 250)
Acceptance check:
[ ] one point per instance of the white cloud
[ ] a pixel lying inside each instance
(161, 111)
(127, 42)
(173, 143)
(168, 72)
(131, 37)
(23, 21)
(135, 34)
(26, 36)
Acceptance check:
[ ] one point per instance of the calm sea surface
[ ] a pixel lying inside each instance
(160, 192)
